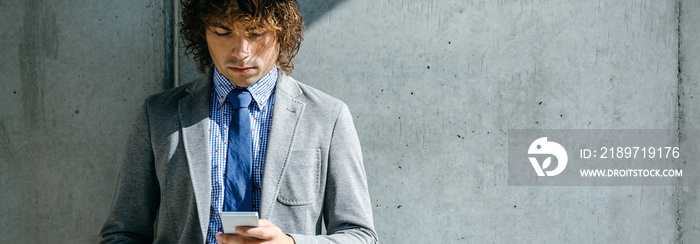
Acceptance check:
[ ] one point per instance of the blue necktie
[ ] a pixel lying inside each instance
(238, 195)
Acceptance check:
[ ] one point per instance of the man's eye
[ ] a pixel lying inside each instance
(221, 34)
(255, 34)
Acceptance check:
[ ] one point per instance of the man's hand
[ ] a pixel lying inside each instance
(266, 232)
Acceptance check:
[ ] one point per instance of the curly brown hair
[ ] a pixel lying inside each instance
(281, 16)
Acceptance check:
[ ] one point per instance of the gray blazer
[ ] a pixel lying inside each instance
(313, 172)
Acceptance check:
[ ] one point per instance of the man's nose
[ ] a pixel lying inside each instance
(241, 47)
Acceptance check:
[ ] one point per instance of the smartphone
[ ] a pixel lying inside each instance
(232, 219)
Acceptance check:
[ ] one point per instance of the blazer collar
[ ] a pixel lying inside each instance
(194, 119)
(202, 84)
(285, 121)
(287, 85)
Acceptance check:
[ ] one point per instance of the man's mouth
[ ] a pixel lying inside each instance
(241, 70)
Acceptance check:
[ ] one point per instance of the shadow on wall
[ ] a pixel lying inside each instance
(313, 10)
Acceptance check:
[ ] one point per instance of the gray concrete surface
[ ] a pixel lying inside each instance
(74, 72)
(689, 204)
(434, 87)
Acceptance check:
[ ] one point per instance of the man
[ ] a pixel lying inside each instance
(292, 153)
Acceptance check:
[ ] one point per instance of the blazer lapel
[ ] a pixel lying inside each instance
(194, 119)
(285, 119)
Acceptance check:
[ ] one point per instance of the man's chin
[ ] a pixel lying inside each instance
(243, 80)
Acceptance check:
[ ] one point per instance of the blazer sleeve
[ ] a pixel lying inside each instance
(347, 208)
(136, 194)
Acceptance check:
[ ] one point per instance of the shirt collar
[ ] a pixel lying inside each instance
(261, 91)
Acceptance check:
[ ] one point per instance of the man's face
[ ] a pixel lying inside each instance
(242, 56)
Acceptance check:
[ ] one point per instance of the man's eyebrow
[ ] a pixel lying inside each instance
(255, 28)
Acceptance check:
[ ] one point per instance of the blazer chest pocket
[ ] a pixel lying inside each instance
(300, 183)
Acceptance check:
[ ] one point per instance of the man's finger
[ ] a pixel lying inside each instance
(260, 232)
(228, 238)
(265, 230)
(222, 238)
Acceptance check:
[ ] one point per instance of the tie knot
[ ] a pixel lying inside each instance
(239, 98)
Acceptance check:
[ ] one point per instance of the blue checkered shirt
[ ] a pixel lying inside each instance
(263, 92)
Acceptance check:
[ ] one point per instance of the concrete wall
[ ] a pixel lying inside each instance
(73, 74)
(689, 204)
(434, 87)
